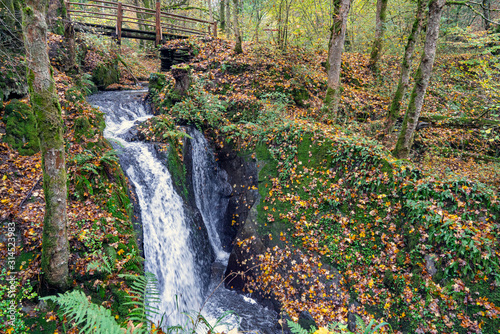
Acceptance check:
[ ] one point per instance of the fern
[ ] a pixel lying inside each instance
(109, 157)
(196, 319)
(88, 317)
(296, 328)
(367, 329)
(146, 291)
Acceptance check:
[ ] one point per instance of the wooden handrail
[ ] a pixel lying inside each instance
(91, 5)
(160, 21)
(93, 14)
(141, 8)
(186, 18)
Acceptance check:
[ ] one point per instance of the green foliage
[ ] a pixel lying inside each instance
(106, 73)
(337, 327)
(84, 83)
(295, 328)
(88, 317)
(20, 128)
(144, 289)
(11, 295)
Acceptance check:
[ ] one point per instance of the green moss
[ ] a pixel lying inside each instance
(177, 170)
(157, 81)
(106, 73)
(83, 127)
(20, 128)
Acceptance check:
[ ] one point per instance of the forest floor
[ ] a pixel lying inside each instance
(258, 90)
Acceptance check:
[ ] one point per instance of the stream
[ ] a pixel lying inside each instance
(188, 276)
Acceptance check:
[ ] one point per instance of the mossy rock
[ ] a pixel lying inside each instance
(20, 128)
(106, 73)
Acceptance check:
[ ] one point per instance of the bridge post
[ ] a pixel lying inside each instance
(119, 21)
(158, 23)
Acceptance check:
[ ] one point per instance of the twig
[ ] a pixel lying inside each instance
(30, 192)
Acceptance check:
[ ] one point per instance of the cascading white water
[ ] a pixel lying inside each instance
(211, 190)
(165, 231)
(168, 252)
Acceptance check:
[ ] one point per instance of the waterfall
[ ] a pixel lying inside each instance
(167, 250)
(172, 251)
(211, 190)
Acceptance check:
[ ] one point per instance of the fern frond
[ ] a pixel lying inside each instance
(88, 317)
(296, 328)
(109, 157)
(146, 294)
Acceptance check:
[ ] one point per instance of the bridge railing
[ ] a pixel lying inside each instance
(137, 22)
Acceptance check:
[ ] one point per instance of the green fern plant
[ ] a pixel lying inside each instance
(110, 157)
(295, 328)
(367, 329)
(146, 294)
(91, 318)
(337, 327)
(87, 316)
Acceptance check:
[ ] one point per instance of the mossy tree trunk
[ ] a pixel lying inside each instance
(404, 76)
(45, 104)
(238, 48)
(422, 77)
(380, 20)
(334, 61)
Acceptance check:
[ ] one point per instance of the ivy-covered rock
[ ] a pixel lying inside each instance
(20, 128)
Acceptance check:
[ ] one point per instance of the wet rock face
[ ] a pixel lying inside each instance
(242, 176)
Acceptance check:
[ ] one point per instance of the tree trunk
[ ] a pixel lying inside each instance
(228, 14)
(45, 104)
(334, 61)
(210, 11)
(486, 12)
(69, 38)
(238, 48)
(404, 76)
(405, 139)
(379, 34)
(222, 15)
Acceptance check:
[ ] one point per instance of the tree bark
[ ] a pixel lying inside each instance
(222, 15)
(486, 12)
(69, 37)
(404, 77)
(45, 104)
(405, 139)
(228, 14)
(238, 48)
(334, 61)
(380, 20)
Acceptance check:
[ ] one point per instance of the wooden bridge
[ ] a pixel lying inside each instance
(128, 21)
